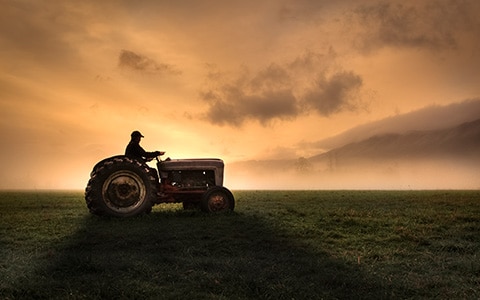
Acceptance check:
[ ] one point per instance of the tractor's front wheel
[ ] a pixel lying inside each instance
(218, 199)
(122, 187)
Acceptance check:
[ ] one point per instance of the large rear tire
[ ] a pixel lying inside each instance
(218, 199)
(122, 187)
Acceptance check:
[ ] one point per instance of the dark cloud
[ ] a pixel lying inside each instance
(263, 96)
(141, 63)
(231, 105)
(281, 92)
(334, 94)
(274, 76)
(433, 25)
(309, 61)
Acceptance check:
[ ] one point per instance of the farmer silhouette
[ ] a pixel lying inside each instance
(134, 150)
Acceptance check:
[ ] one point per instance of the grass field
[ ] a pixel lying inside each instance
(276, 245)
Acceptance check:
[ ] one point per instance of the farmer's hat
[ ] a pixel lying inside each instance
(136, 133)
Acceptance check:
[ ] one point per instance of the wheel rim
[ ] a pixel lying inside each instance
(218, 202)
(124, 191)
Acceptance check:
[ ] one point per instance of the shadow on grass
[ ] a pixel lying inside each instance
(183, 254)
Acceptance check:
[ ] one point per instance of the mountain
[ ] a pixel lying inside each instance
(421, 159)
(428, 118)
(461, 142)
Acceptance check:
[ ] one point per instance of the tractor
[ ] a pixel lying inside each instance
(121, 186)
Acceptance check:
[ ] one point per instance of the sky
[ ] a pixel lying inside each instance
(237, 80)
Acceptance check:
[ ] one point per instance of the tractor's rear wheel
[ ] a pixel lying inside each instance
(218, 199)
(122, 187)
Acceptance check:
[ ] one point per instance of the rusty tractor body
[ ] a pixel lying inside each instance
(121, 186)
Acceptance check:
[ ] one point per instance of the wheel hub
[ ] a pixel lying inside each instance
(123, 189)
(217, 202)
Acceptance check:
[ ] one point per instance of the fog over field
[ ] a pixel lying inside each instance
(432, 148)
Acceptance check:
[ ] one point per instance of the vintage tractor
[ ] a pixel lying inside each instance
(121, 186)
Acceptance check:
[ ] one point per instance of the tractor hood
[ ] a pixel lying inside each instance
(200, 164)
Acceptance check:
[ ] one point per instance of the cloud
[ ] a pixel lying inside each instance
(137, 62)
(232, 105)
(334, 94)
(432, 25)
(281, 92)
(272, 77)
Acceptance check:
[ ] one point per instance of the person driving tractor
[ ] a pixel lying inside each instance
(134, 150)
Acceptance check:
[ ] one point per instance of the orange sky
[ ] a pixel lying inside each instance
(237, 80)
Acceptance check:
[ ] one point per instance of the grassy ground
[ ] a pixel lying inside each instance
(276, 245)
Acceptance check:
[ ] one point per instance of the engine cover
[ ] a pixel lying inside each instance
(198, 164)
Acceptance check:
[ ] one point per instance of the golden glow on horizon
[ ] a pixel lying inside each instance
(236, 80)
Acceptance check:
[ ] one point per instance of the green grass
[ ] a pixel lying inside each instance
(276, 245)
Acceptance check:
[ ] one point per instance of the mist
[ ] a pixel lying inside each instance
(391, 175)
(422, 159)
